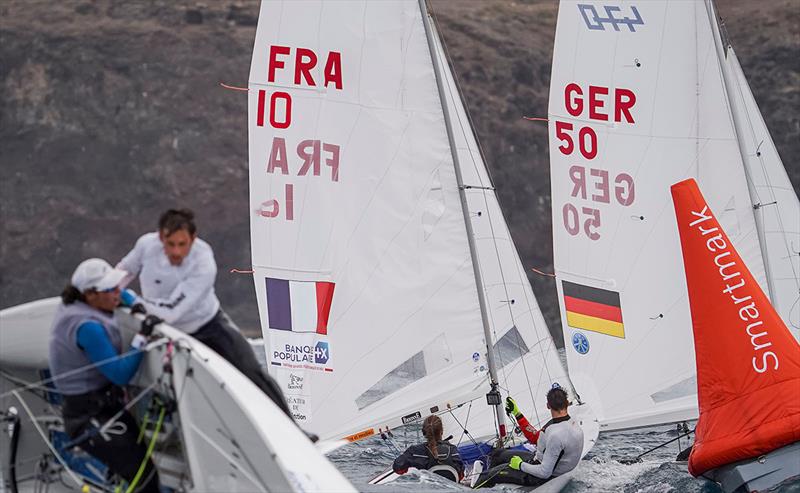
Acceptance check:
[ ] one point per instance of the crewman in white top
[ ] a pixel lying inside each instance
(559, 445)
(176, 272)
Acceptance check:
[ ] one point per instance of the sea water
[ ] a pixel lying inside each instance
(602, 470)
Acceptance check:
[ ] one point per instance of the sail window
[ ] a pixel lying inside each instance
(510, 347)
(676, 391)
(433, 357)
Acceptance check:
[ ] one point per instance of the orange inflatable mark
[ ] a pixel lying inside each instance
(748, 363)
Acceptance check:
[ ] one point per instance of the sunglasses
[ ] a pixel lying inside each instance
(109, 290)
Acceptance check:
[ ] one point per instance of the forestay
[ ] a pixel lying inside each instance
(526, 356)
(775, 201)
(361, 264)
(637, 102)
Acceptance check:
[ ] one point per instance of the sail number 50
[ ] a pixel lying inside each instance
(591, 223)
(587, 140)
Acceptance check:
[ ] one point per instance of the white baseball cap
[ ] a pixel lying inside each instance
(96, 274)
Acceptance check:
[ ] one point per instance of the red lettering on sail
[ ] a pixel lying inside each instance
(303, 63)
(624, 100)
(306, 60)
(333, 70)
(286, 118)
(277, 157)
(572, 100)
(599, 101)
(596, 104)
(274, 63)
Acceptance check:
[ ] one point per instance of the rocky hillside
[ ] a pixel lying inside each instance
(111, 112)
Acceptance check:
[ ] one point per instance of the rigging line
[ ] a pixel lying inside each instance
(21, 384)
(233, 88)
(107, 425)
(457, 83)
(464, 430)
(534, 269)
(456, 97)
(41, 384)
(466, 422)
(55, 453)
(758, 154)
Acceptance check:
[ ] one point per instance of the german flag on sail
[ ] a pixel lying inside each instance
(593, 309)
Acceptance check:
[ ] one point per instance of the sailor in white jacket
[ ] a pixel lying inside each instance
(177, 272)
(558, 450)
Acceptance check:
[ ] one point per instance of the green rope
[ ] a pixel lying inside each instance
(142, 428)
(149, 452)
(487, 479)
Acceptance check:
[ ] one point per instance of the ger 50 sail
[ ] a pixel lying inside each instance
(388, 284)
(643, 95)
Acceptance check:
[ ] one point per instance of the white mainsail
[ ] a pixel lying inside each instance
(374, 216)
(774, 199)
(637, 103)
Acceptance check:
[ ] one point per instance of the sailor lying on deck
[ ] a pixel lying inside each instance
(89, 367)
(558, 448)
(439, 456)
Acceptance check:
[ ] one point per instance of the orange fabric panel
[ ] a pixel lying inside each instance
(748, 363)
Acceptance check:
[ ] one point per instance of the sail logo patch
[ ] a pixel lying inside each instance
(291, 355)
(596, 22)
(593, 309)
(321, 352)
(299, 306)
(580, 343)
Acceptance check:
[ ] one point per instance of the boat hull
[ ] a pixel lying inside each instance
(759, 474)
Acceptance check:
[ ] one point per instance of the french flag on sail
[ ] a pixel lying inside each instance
(299, 306)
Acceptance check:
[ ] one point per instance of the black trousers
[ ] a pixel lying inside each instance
(499, 471)
(120, 452)
(222, 335)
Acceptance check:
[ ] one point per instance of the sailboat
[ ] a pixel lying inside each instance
(644, 95)
(748, 434)
(388, 284)
(219, 431)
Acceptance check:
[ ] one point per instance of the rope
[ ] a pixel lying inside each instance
(490, 477)
(233, 88)
(463, 427)
(241, 271)
(72, 475)
(534, 269)
(149, 452)
(41, 384)
(535, 119)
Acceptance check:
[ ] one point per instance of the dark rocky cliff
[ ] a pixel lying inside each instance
(111, 112)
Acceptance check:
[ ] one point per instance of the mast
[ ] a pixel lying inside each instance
(738, 130)
(499, 411)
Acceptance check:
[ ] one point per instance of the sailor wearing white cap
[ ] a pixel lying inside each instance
(89, 367)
